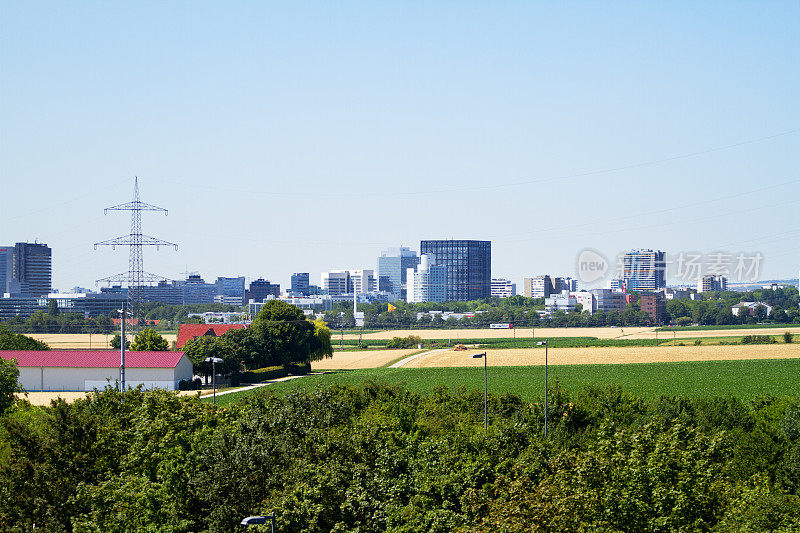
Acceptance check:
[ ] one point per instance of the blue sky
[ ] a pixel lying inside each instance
(310, 136)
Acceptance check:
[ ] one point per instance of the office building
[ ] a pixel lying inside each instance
(537, 287)
(503, 288)
(427, 282)
(230, 289)
(712, 283)
(362, 280)
(654, 305)
(616, 285)
(197, 291)
(260, 289)
(564, 302)
(6, 270)
(393, 265)
(299, 284)
(336, 282)
(644, 270)
(559, 285)
(32, 268)
(608, 300)
(468, 266)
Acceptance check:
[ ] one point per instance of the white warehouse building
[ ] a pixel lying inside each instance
(86, 370)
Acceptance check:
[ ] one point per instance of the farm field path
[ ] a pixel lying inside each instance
(606, 355)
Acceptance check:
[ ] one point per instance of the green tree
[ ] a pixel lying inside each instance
(15, 341)
(321, 342)
(284, 333)
(52, 308)
(8, 383)
(116, 342)
(202, 348)
(149, 341)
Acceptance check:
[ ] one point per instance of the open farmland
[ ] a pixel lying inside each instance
(360, 359)
(601, 333)
(83, 341)
(614, 355)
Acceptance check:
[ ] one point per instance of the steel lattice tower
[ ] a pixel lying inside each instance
(136, 277)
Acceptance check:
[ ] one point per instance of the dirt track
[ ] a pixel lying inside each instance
(576, 356)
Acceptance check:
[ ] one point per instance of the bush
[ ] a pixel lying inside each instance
(298, 369)
(186, 384)
(698, 342)
(263, 374)
(412, 341)
(758, 339)
(787, 337)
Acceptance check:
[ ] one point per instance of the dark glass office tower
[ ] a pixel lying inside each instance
(33, 268)
(468, 264)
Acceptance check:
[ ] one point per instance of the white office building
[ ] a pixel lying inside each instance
(503, 288)
(428, 282)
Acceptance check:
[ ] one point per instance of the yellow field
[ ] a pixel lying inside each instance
(600, 333)
(614, 355)
(360, 359)
(85, 341)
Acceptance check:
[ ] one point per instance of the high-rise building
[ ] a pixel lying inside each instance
(468, 265)
(33, 268)
(503, 288)
(653, 304)
(300, 284)
(644, 270)
(260, 289)
(197, 291)
(712, 283)
(362, 280)
(231, 289)
(6, 268)
(428, 282)
(537, 287)
(393, 265)
(336, 282)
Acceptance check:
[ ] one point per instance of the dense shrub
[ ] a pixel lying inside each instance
(411, 341)
(379, 458)
(758, 339)
(263, 374)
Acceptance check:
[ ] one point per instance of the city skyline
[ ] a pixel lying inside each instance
(546, 130)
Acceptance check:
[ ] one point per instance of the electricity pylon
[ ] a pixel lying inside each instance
(136, 277)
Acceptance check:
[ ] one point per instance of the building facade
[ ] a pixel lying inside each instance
(393, 265)
(608, 300)
(6, 269)
(503, 288)
(299, 284)
(32, 268)
(428, 282)
(468, 267)
(644, 270)
(712, 283)
(260, 289)
(537, 287)
(654, 305)
(231, 289)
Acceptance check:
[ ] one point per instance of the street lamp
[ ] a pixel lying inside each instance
(259, 520)
(545, 385)
(485, 389)
(213, 361)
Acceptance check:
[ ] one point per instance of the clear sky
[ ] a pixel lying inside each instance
(310, 136)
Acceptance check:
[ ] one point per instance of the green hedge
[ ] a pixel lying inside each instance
(263, 374)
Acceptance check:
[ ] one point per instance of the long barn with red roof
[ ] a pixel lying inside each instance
(85, 370)
(188, 332)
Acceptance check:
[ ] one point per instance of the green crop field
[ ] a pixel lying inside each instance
(744, 379)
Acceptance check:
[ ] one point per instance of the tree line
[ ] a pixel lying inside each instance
(379, 458)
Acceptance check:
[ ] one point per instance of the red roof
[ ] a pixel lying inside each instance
(188, 332)
(92, 358)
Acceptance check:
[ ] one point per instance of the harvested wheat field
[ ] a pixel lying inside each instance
(360, 359)
(455, 334)
(712, 333)
(44, 398)
(577, 356)
(83, 341)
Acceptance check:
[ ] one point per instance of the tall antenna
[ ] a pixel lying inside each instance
(136, 277)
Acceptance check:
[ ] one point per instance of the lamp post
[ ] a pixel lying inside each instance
(485, 389)
(213, 361)
(545, 385)
(259, 520)
(123, 314)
